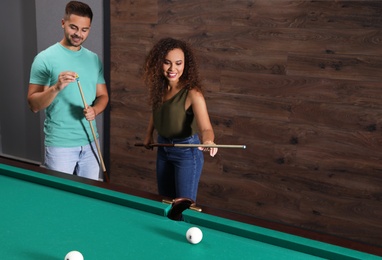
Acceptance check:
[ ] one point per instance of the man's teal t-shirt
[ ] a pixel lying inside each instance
(65, 124)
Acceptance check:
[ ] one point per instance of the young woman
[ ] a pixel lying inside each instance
(179, 115)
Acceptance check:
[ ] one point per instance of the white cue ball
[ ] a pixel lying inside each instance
(74, 255)
(194, 235)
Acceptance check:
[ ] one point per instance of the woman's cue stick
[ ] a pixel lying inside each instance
(94, 135)
(196, 145)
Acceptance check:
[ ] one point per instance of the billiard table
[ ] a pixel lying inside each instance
(46, 214)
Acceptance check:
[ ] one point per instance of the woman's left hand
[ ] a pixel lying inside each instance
(212, 150)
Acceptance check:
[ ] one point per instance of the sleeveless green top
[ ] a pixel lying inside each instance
(171, 120)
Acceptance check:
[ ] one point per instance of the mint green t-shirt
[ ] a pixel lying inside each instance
(65, 124)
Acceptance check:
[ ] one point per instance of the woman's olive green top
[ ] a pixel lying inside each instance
(171, 120)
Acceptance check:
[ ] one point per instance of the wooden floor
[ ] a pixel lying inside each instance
(298, 82)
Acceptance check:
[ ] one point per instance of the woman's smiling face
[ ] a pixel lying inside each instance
(173, 65)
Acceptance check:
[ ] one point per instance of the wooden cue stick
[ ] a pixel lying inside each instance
(196, 145)
(93, 132)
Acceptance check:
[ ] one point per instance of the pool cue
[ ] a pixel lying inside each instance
(196, 145)
(94, 135)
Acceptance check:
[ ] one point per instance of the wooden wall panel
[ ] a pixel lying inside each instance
(351, 67)
(298, 82)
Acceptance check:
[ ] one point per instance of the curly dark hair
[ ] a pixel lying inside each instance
(153, 69)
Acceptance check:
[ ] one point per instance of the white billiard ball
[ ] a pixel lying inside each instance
(194, 235)
(74, 255)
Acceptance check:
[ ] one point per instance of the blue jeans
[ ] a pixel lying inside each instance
(179, 169)
(81, 160)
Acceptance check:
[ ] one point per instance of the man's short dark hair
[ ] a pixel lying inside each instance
(78, 8)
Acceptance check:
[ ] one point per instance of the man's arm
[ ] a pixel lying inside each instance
(40, 97)
(100, 103)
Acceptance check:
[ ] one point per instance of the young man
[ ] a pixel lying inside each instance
(69, 143)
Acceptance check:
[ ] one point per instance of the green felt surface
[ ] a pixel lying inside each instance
(45, 217)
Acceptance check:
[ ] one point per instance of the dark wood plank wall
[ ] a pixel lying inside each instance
(298, 82)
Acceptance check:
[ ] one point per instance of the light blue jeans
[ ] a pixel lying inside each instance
(81, 160)
(179, 169)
